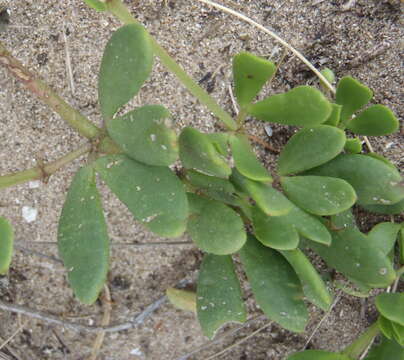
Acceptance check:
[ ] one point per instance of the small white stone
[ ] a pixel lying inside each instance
(136, 351)
(29, 214)
(34, 184)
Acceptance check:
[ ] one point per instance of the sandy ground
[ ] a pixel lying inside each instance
(364, 40)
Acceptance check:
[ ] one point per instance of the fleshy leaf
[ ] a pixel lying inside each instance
(329, 75)
(182, 299)
(393, 209)
(250, 73)
(319, 195)
(334, 118)
(153, 194)
(301, 106)
(385, 327)
(398, 333)
(391, 306)
(246, 161)
(313, 285)
(6, 245)
(275, 285)
(317, 355)
(83, 240)
(383, 236)
(215, 227)
(388, 349)
(274, 231)
(374, 181)
(376, 120)
(353, 146)
(269, 200)
(198, 152)
(96, 5)
(143, 136)
(310, 147)
(352, 95)
(126, 64)
(220, 142)
(401, 245)
(219, 298)
(351, 254)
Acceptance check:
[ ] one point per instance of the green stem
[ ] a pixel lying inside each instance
(356, 349)
(74, 118)
(117, 8)
(42, 171)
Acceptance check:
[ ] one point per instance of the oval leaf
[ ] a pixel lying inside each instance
(393, 209)
(153, 194)
(317, 355)
(383, 236)
(250, 73)
(274, 231)
(374, 181)
(301, 106)
(126, 64)
(143, 136)
(198, 152)
(388, 349)
(391, 306)
(6, 245)
(376, 120)
(319, 195)
(275, 285)
(334, 118)
(246, 161)
(83, 240)
(313, 285)
(398, 333)
(353, 146)
(310, 147)
(219, 298)
(215, 227)
(269, 200)
(352, 95)
(96, 4)
(385, 327)
(182, 299)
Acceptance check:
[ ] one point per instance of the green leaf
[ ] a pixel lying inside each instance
(96, 5)
(334, 118)
(391, 306)
(313, 285)
(310, 147)
(143, 135)
(388, 349)
(353, 146)
(198, 152)
(374, 181)
(401, 244)
(153, 194)
(274, 231)
(182, 299)
(83, 240)
(350, 254)
(329, 75)
(383, 236)
(317, 355)
(246, 161)
(250, 73)
(215, 227)
(220, 142)
(352, 95)
(398, 333)
(301, 106)
(6, 245)
(269, 200)
(319, 195)
(275, 285)
(385, 327)
(381, 158)
(216, 188)
(219, 298)
(376, 120)
(393, 209)
(126, 64)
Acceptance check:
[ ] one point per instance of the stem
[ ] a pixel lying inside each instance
(117, 8)
(42, 171)
(356, 349)
(74, 118)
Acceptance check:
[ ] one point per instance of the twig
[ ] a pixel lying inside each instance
(322, 320)
(233, 100)
(68, 62)
(240, 341)
(274, 36)
(52, 319)
(368, 144)
(221, 338)
(104, 322)
(263, 143)
(37, 253)
(12, 336)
